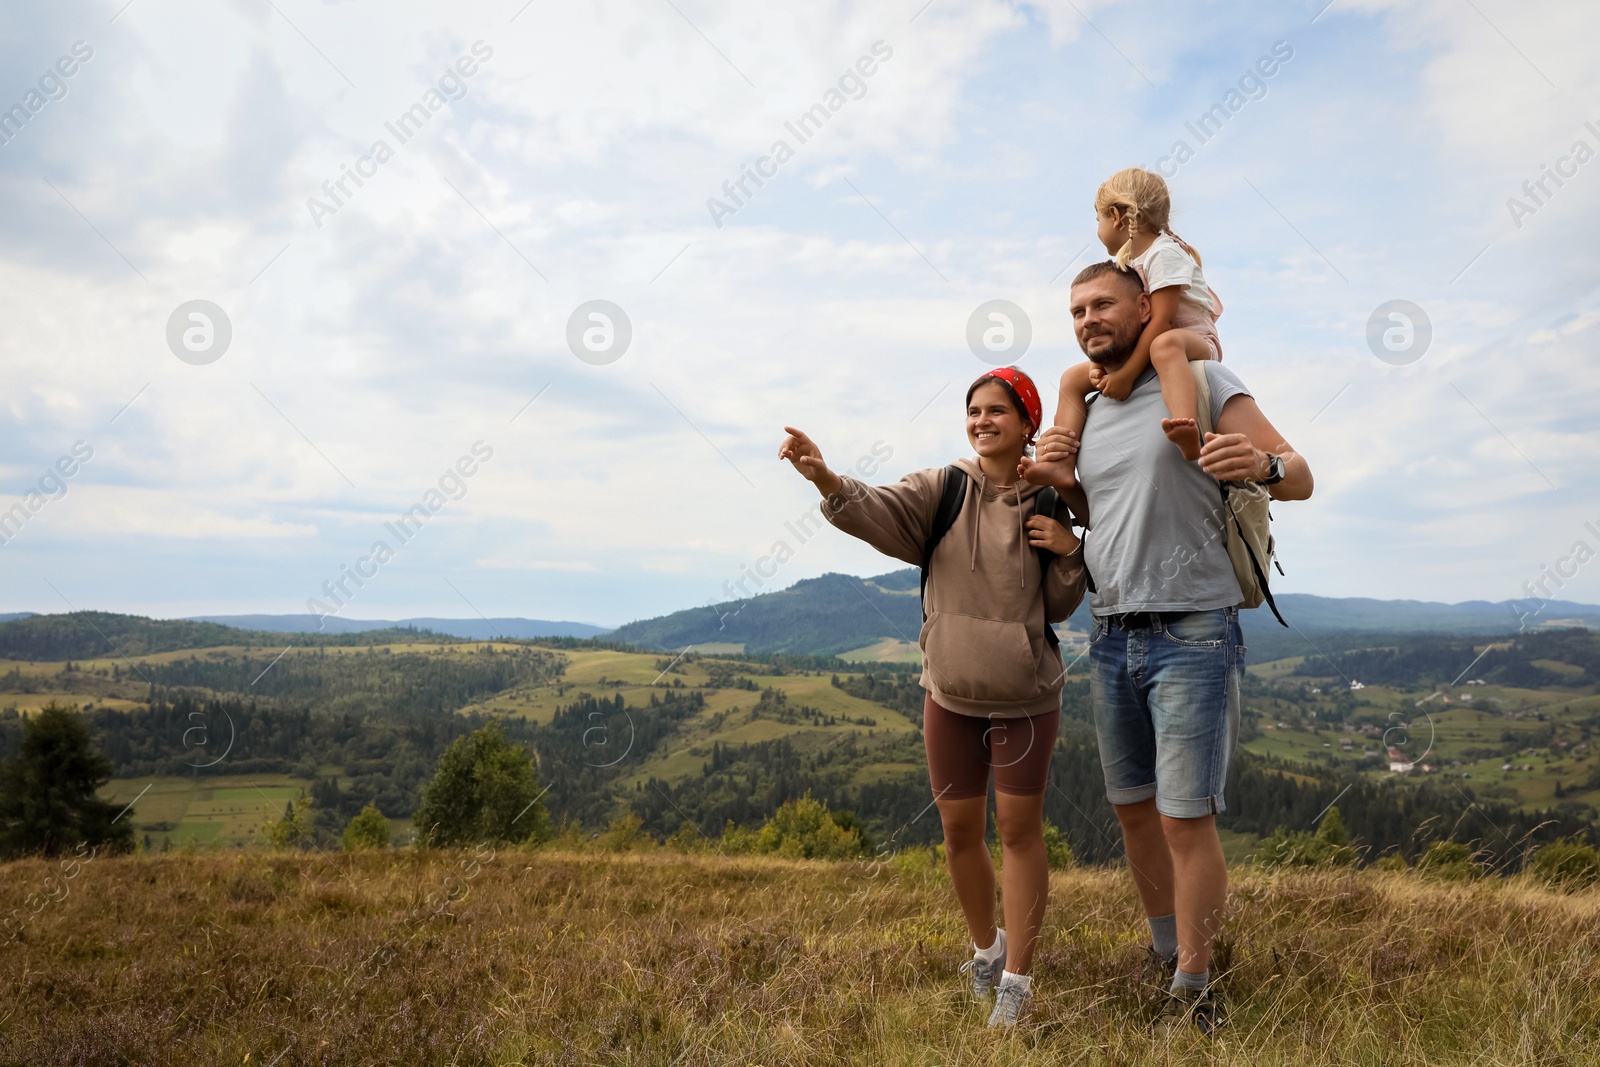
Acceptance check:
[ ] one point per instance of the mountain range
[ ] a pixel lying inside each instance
(839, 613)
(476, 629)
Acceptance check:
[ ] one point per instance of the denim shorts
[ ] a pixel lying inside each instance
(1166, 709)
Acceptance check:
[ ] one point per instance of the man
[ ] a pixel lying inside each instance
(1166, 657)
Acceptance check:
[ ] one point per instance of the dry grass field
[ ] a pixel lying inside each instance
(578, 957)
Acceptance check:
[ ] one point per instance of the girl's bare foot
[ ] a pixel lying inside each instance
(1060, 474)
(1185, 433)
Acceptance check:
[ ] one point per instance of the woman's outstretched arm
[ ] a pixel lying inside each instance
(895, 519)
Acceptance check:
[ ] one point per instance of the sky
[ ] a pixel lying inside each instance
(224, 378)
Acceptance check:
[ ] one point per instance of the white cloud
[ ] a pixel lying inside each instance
(513, 563)
(108, 513)
(416, 321)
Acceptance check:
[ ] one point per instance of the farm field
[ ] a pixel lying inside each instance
(635, 675)
(222, 810)
(888, 650)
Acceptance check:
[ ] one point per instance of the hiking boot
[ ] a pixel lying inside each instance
(985, 976)
(1198, 1008)
(1165, 966)
(1012, 1003)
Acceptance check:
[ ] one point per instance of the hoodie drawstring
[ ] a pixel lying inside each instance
(1022, 537)
(1022, 530)
(977, 519)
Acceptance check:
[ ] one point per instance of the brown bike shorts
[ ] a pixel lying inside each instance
(962, 749)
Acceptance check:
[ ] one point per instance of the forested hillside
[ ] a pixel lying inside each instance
(838, 613)
(700, 740)
(818, 616)
(91, 634)
(1557, 657)
(86, 634)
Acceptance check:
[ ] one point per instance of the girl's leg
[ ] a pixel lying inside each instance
(1025, 875)
(971, 869)
(1171, 354)
(1071, 413)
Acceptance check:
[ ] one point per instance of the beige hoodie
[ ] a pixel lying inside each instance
(984, 650)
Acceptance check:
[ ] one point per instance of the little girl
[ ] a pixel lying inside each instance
(991, 665)
(1132, 207)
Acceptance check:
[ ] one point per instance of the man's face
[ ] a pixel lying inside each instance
(1107, 315)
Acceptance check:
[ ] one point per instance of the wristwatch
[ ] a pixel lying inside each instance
(1274, 470)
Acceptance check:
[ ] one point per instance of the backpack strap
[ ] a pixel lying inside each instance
(1255, 565)
(1045, 502)
(1088, 579)
(1202, 396)
(955, 494)
(1202, 384)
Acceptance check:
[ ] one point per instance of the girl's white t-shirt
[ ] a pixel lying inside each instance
(1165, 263)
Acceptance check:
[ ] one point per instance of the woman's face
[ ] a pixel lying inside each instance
(994, 427)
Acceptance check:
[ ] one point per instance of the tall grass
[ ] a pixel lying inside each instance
(573, 957)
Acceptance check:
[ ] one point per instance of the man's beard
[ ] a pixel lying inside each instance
(1117, 354)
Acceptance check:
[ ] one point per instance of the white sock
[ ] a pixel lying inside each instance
(994, 951)
(1023, 980)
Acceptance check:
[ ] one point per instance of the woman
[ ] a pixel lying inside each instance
(991, 666)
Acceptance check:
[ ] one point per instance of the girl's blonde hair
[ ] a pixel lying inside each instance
(1142, 196)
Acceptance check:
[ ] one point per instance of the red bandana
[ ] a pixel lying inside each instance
(1026, 392)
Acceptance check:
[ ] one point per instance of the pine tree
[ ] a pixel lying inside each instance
(1332, 829)
(294, 828)
(48, 801)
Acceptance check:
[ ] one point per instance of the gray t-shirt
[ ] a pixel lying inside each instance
(1157, 541)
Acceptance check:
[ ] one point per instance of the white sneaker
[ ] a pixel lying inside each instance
(1012, 1003)
(985, 976)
